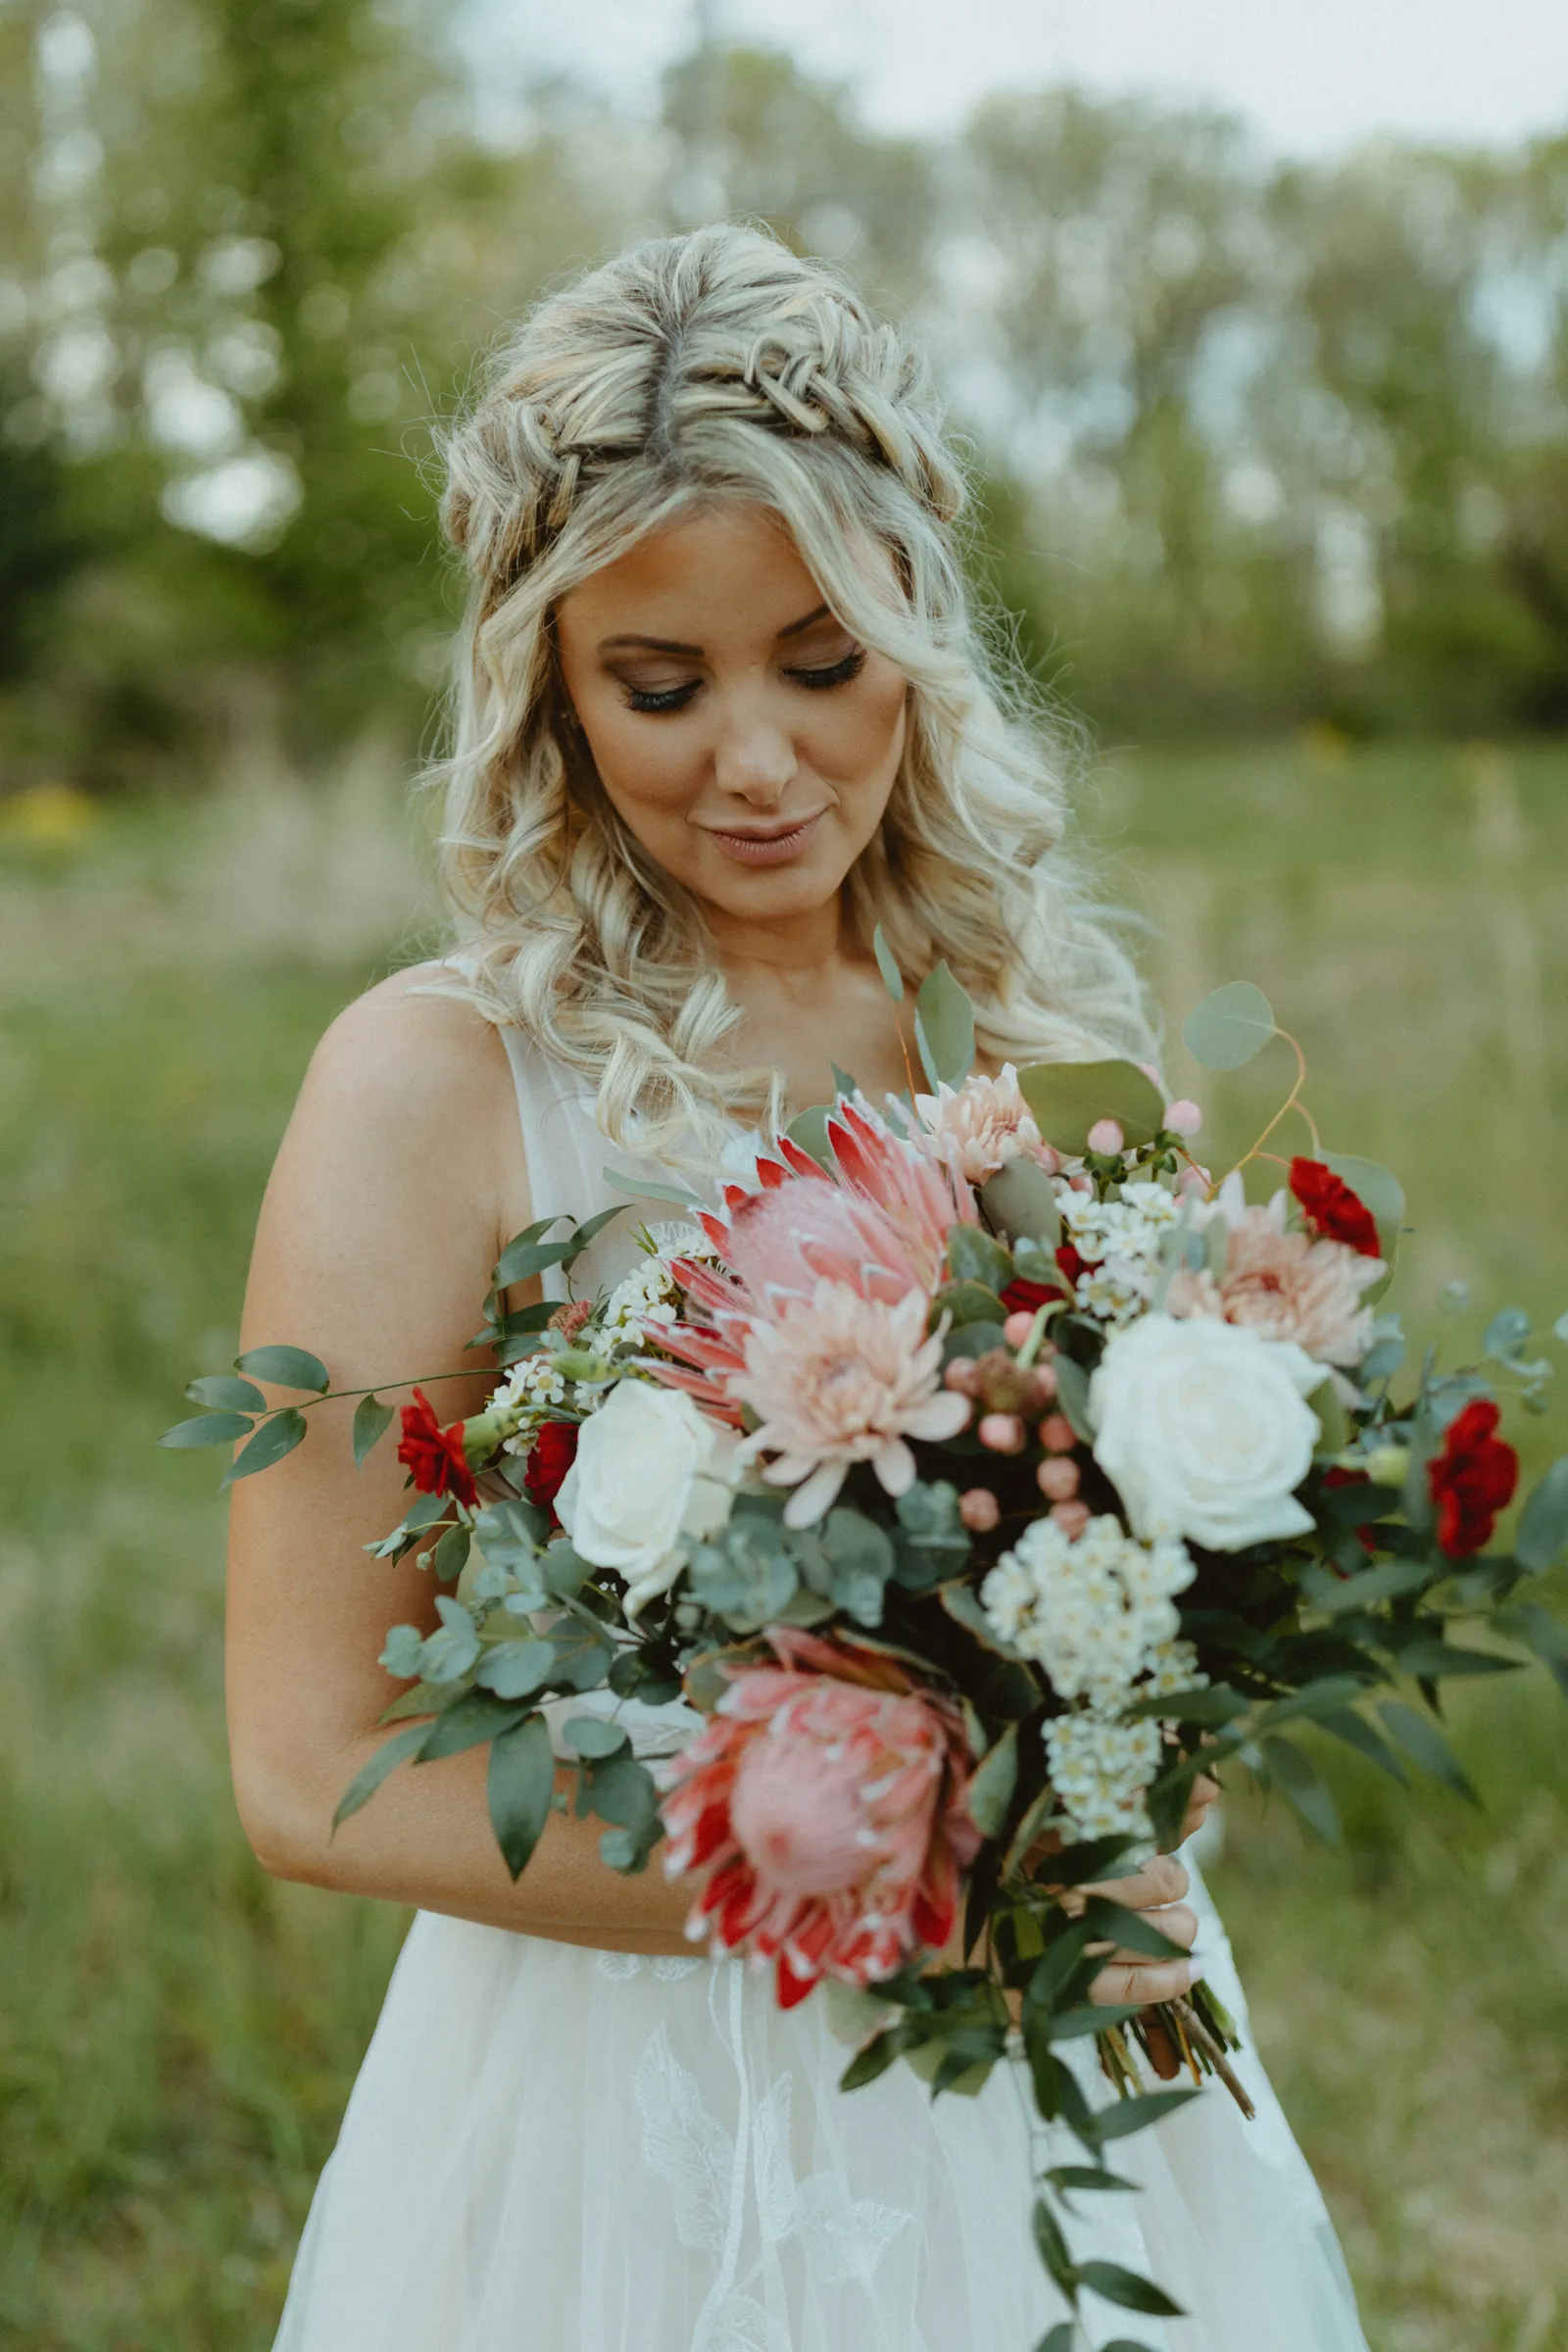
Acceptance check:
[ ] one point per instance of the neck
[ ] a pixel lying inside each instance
(793, 952)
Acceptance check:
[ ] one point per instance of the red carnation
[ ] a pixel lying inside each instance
(1022, 1295)
(1472, 1480)
(433, 1456)
(554, 1450)
(1334, 1212)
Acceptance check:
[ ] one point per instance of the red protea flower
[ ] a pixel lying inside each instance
(550, 1457)
(1334, 1212)
(433, 1456)
(826, 1801)
(1472, 1480)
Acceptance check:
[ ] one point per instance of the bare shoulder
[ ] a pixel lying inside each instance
(415, 1045)
(407, 1105)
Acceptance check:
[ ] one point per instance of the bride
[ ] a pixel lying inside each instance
(722, 709)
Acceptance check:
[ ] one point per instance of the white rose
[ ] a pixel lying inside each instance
(649, 1469)
(1205, 1429)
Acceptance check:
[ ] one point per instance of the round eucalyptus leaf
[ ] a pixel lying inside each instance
(1230, 1026)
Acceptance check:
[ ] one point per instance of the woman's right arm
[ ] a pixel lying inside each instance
(399, 1181)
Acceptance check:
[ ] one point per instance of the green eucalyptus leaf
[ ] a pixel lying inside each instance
(1543, 1532)
(886, 965)
(622, 1180)
(990, 1791)
(515, 1669)
(368, 1780)
(208, 1428)
(1020, 1200)
(973, 1257)
(944, 1029)
(1230, 1027)
(1136, 2115)
(521, 1259)
(621, 1790)
(1425, 1744)
(592, 1735)
(1068, 1098)
(273, 1440)
(520, 1784)
(469, 1722)
(968, 1303)
(809, 1129)
(1304, 1786)
(286, 1368)
(451, 1552)
(1113, 2284)
(222, 1393)
(372, 1421)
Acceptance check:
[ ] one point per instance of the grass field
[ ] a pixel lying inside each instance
(177, 2033)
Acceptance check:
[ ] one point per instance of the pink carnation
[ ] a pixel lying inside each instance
(838, 1379)
(976, 1128)
(1284, 1286)
(826, 1801)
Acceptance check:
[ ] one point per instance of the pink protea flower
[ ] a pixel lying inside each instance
(837, 1379)
(976, 1128)
(1284, 1286)
(816, 1316)
(826, 1801)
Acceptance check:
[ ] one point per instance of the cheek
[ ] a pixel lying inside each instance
(861, 741)
(645, 769)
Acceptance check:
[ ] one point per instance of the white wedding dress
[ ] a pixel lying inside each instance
(550, 2149)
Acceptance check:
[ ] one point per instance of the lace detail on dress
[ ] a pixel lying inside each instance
(736, 2191)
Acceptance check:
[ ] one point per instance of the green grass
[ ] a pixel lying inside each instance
(177, 2034)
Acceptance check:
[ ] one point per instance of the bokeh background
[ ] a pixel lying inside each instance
(1268, 413)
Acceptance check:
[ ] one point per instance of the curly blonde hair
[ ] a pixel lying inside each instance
(722, 366)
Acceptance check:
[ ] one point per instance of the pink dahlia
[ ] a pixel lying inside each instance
(836, 1379)
(1284, 1286)
(976, 1128)
(826, 1801)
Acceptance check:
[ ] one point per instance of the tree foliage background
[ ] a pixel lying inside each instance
(1255, 444)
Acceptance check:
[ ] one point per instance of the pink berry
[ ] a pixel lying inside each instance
(1107, 1136)
(1018, 1327)
(979, 1510)
(1057, 1433)
(1057, 1477)
(1071, 1517)
(959, 1376)
(1184, 1118)
(1194, 1179)
(1045, 1381)
(1002, 1432)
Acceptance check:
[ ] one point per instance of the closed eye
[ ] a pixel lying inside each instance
(837, 674)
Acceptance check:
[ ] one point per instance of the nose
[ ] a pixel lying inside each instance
(753, 757)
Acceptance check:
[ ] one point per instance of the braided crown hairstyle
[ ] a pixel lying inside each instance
(720, 366)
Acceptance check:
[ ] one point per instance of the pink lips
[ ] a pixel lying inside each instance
(766, 849)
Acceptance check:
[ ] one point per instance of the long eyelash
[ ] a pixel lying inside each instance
(671, 697)
(839, 674)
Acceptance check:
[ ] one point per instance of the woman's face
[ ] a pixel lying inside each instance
(742, 734)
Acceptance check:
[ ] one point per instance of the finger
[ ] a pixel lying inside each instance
(1124, 1982)
(1204, 1792)
(1162, 1879)
(1175, 1920)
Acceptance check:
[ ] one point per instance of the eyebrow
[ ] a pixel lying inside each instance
(669, 645)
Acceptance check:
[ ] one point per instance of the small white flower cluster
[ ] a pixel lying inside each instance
(532, 1386)
(1097, 1613)
(1119, 1242)
(649, 1292)
(1100, 1770)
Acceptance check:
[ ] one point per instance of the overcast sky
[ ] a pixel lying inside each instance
(1313, 78)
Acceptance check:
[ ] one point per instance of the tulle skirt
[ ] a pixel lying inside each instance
(557, 2150)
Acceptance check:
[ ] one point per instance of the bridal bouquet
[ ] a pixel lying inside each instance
(978, 1475)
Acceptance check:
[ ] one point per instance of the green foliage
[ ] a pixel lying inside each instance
(1230, 1026)
(1068, 1098)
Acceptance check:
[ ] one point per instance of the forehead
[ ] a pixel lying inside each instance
(727, 572)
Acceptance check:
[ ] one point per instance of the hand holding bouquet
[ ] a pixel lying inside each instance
(979, 1479)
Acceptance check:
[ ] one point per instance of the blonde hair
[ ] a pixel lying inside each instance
(719, 365)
